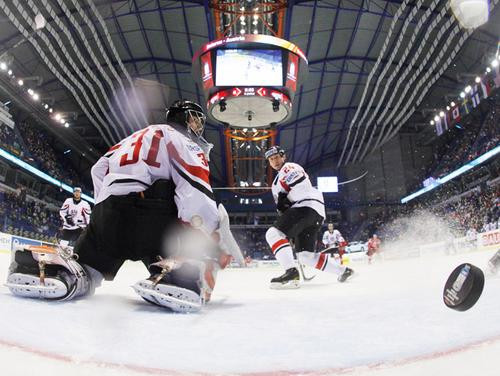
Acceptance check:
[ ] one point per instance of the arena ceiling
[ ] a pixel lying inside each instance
(358, 51)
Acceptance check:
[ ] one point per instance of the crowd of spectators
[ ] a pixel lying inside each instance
(49, 161)
(252, 241)
(478, 210)
(467, 141)
(9, 140)
(32, 145)
(28, 218)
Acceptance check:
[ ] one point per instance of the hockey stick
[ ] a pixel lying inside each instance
(301, 269)
(269, 188)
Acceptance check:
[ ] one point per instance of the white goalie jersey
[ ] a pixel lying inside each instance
(294, 181)
(159, 152)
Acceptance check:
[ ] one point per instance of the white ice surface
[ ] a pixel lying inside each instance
(388, 321)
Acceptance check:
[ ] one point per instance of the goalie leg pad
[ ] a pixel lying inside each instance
(179, 286)
(51, 276)
(176, 298)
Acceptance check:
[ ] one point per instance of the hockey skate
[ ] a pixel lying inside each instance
(348, 273)
(172, 285)
(289, 280)
(45, 272)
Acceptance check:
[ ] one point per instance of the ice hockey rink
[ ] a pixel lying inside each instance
(389, 320)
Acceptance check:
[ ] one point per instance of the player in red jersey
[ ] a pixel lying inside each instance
(373, 247)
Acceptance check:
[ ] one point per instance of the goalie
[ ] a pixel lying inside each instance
(154, 182)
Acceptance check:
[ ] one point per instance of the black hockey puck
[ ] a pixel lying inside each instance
(463, 287)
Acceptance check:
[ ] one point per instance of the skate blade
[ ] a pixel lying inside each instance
(285, 286)
(28, 286)
(176, 298)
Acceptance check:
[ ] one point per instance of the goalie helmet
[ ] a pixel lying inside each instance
(182, 111)
(276, 149)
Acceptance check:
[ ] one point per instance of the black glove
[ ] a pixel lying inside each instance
(69, 219)
(283, 202)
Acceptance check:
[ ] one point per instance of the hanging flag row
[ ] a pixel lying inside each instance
(469, 99)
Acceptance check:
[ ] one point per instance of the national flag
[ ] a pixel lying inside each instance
(447, 120)
(439, 127)
(455, 113)
(485, 88)
(466, 105)
(475, 96)
(496, 79)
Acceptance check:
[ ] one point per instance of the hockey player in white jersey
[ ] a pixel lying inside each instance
(152, 183)
(75, 215)
(332, 237)
(302, 211)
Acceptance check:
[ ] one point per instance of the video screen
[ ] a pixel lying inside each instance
(328, 184)
(238, 67)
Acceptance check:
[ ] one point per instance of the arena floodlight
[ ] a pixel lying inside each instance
(57, 117)
(494, 63)
(66, 125)
(432, 122)
(462, 95)
(436, 118)
(51, 110)
(468, 89)
(447, 108)
(35, 96)
(3, 66)
(9, 72)
(30, 91)
(452, 104)
(477, 79)
(470, 13)
(40, 22)
(20, 82)
(441, 113)
(488, 69)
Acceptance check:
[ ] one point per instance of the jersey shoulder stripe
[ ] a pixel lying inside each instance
(195, 184)
(197, 171)
(300, 180)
